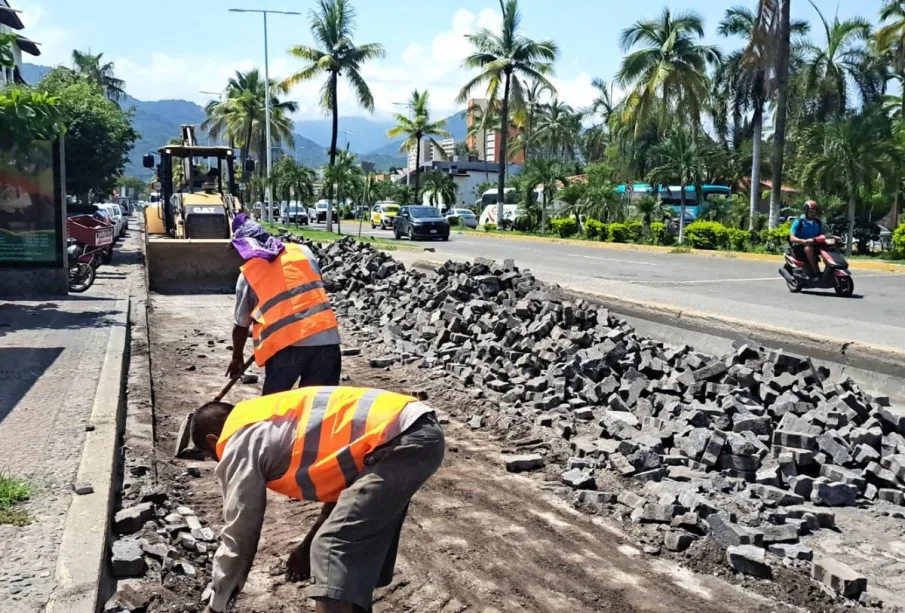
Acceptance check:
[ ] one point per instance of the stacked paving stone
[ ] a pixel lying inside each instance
(763, 426)
(157, 537)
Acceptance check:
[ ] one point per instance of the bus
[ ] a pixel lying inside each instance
(671, 195)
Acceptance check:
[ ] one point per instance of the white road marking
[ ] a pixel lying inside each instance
(594, 257)
(774, 278)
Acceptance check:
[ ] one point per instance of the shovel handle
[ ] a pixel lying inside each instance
(233, 380)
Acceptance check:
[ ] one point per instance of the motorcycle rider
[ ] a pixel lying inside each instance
(804, 230)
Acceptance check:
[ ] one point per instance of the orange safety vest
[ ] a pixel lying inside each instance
(292, 302)
(337, 428)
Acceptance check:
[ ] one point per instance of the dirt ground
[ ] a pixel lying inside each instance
(477, 539)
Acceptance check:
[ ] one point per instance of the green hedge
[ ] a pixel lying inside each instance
(898, 240)
(619, 232)
(738, 240)
(565, 227)
(489, 227)
(596, 230)
(707, 235)
(777, 238)
(659, 235)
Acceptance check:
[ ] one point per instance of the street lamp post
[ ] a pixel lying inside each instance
(268, 194)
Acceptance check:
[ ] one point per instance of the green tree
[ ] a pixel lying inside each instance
(441, 187)
(343, 178)
(502, 59)
(333, 27)
(670, 68)
(293, 181)
(7, 55)
(100, 73)
(558, 129)
(776, 14)
(99, 135)
(840, 61)
(850, 154)
(744, 80)
(649, 208)
(890, 41)
(240, 117)
(681, 159)
(138, 186)
(547, 174)
(415, 126)
(27, 115)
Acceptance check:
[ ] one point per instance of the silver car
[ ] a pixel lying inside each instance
(463, 217)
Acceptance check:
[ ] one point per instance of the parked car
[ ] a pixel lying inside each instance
(420, 222)
(295, 212)
(383, 215)
(466, 217)
(319, 213)
(116, 215)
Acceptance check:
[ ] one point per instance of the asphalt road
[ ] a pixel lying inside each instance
(743, 289)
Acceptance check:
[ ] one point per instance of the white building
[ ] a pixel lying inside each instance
(10, 23)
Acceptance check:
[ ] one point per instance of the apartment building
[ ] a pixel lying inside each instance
(10, 23)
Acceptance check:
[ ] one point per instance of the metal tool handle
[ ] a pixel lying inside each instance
(232, 381)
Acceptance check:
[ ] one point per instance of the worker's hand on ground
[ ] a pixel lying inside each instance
(236, 366)
(298, 566)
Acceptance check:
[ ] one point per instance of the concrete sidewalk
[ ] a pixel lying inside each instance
(52, 353)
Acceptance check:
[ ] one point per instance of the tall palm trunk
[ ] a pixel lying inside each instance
(502, 158)
(486, 163)
(682, 214)
(755, 163)
(850, 236)
(333, 137)
(782, 102)
(543, 211)
(417, 168)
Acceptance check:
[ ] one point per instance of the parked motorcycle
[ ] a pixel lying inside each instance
(835, 273)
(83, 264)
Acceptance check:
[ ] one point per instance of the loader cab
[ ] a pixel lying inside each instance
(198, 192)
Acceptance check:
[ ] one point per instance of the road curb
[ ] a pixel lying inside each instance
(874, 358)
(82, 556)
(733, 255)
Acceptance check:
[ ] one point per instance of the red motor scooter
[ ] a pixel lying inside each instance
(835, 273)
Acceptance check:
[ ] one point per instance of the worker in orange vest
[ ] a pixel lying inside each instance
(280, 295)
(364, 452)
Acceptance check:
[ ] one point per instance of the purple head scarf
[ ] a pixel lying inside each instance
(251, 240)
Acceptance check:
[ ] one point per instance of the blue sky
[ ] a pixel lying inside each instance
(175, 48)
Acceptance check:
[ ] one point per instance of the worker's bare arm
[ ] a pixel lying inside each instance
(237, 363)
(298, 566)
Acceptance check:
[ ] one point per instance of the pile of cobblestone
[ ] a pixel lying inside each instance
(683, 430)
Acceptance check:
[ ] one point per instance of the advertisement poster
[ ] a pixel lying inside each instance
(30, 207)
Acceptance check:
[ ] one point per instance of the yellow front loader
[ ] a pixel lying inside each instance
(189, 228)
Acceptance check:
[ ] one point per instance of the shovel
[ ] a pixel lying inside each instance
(184, 447)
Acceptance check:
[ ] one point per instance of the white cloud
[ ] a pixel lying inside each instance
(435, 66)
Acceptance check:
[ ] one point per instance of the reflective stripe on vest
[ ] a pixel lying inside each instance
(292, 302)
(336, 428)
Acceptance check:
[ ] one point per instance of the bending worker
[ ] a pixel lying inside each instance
(364, 452)
(280, 295)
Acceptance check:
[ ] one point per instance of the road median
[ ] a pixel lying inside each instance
(854, 264)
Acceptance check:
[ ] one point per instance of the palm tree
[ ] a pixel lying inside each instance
(502, 58)
(342, 178)
(744, 80)
(558, 128)
(527, 116)
(101, 74)
(293, 181)
(649, 208)
(851, 153)
(671, 68)
(843, 58)
(333, 25)
(776, 16)
(681, 159)
(241, 116)
(548, 174)
(442, 188)
(890, 41)
(416, 126)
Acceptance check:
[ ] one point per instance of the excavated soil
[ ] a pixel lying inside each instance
(478, 539)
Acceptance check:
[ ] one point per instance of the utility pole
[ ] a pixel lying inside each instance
(268, 198)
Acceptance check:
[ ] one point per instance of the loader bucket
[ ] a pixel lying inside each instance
(191, 266)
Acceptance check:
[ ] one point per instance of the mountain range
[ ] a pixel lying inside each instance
(157, 121)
